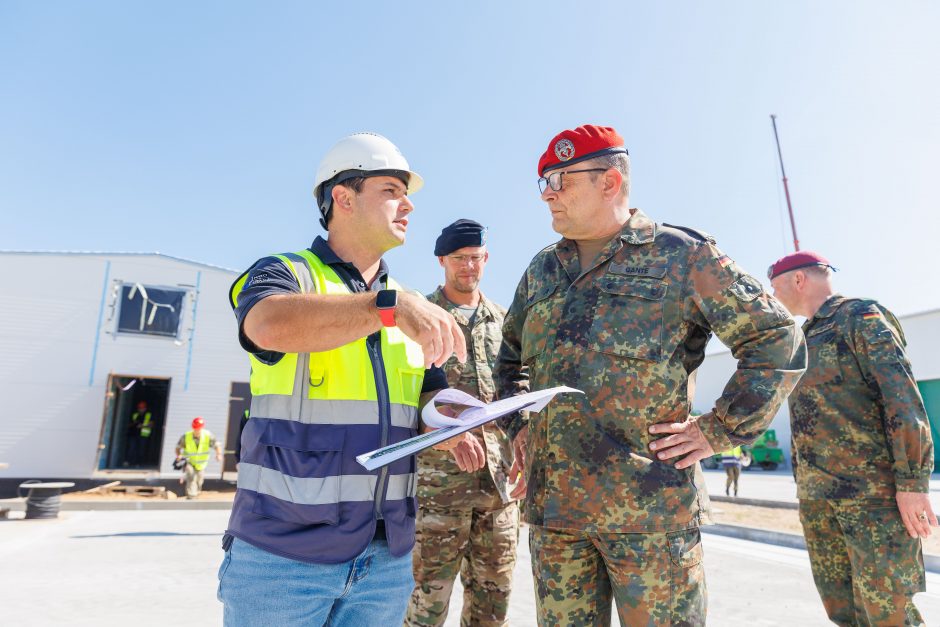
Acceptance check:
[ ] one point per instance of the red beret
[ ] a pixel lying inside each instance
(795, 261)
(584, 142)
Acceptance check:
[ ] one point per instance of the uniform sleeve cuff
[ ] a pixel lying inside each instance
(912, 484)
(514, 423)
(715, 432)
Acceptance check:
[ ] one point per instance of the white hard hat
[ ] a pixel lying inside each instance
(360, 154)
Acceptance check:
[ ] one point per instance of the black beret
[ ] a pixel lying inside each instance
(458, 235)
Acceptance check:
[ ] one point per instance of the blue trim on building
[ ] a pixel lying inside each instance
(192, 331)
(104, 294)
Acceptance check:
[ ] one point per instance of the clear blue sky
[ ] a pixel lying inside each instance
(195, 129)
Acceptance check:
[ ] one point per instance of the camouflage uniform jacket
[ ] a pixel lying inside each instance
(630, 331)
(439, 479)
(859, 428)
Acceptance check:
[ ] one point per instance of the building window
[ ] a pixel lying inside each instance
(147, 310)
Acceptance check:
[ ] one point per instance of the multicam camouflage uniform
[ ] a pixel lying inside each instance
(607, 518)
(859, 433)
(466, 520)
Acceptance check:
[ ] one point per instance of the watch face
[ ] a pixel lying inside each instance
(386, 299)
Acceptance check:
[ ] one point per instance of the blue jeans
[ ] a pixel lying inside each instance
(261, 588)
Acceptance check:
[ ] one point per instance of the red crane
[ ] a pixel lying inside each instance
(786, 188)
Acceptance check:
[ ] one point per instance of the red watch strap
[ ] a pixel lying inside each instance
(388, 317)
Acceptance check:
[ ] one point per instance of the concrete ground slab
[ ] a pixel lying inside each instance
(114, 568)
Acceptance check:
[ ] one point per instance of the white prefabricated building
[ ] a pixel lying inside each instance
(87, 336)
(922, 331)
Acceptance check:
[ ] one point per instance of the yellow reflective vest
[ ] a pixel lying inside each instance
(300, 491)
(197, 452)
(146, 426)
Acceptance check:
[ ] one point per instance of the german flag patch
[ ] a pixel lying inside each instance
(724, 261)
(869, 315)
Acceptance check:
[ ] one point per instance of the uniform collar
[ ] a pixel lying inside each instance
(826, 310)
(829, 307)
(484, 309)
(637, 230)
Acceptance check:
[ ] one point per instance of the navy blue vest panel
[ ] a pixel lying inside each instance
(302, 494)
(288, 530)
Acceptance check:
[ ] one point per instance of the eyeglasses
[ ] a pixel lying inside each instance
(553, 180)
(462, 259)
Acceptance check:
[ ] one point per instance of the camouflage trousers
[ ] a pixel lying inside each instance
(476, 536)
(655, 578)
(866, 566)
(193, 479)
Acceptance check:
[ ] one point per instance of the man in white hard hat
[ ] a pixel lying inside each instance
(341, 360)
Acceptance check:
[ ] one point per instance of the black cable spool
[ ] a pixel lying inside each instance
(41, 501)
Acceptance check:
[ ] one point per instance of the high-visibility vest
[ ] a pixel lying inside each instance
(145, 429)
(197, 452)
(732, 457)
(301, 492)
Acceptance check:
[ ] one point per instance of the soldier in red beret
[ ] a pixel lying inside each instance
(862, 450)
(622, 308)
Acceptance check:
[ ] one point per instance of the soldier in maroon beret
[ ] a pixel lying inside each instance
(862, 450)
(622, 308)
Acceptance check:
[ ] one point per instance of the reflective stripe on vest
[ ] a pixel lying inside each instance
(197, 454)
(297, 465)
(321, 490)
(341, 374)
(345, 412)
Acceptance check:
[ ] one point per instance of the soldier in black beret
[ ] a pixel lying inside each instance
(468, 522)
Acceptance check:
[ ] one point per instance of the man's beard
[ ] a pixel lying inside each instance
(466, 287)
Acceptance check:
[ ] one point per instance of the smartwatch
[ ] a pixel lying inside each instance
(385, 302)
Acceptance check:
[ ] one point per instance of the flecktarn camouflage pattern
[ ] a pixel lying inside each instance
(467, 522)
(860, 434)
(859, 427)
(865, 565)
(630, 331)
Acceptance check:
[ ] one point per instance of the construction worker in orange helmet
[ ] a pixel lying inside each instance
(194, 446)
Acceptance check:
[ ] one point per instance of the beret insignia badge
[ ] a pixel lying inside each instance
(564, 149)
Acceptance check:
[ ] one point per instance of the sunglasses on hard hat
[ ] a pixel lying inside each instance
(554, 181)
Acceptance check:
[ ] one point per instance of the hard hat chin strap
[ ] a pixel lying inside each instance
(325, 204)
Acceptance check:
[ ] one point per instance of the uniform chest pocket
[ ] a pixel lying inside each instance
(628, 318)
(539, 322)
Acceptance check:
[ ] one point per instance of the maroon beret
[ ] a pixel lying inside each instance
(795, 261)
(584, 142)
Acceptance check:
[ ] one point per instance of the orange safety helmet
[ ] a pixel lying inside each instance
(198, 422)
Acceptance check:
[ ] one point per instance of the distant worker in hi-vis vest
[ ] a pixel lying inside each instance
(194, 446)
(139, 430)
(342, 359)
(732, 460)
